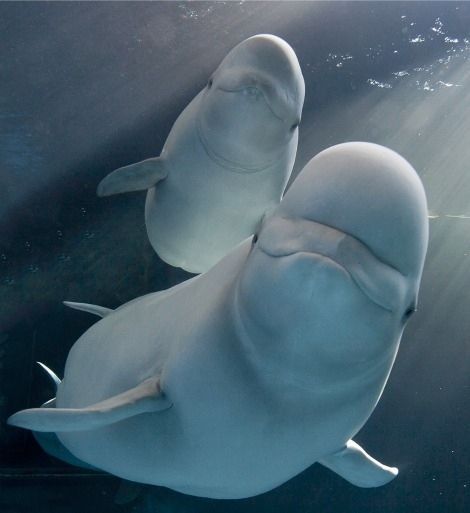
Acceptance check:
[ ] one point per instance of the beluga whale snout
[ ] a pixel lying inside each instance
(227, 159)
(235, 381)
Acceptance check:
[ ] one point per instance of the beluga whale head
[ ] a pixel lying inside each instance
(335, 269)
(260, 83)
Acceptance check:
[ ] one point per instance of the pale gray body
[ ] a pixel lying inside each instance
(227, 158)
(272, 360)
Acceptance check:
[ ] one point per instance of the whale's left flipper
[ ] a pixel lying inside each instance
(144, 398)
(356, 466)
(134, 177)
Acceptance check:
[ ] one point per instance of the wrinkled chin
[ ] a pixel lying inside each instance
(239, 153)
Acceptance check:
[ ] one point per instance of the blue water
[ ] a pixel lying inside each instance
(88, 87)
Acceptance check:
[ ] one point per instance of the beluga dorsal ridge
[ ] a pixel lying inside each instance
(235, 381)
(227, 159)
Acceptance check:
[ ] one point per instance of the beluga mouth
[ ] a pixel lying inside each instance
(379, 281)
(231, 165)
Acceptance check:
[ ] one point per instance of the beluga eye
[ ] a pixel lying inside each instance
(254, 240)
(210, 82)
(294, 126)
(409, 312)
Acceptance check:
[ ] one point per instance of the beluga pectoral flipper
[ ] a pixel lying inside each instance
(359, 468)
(227, 159)
(134, 177)
(146, 397)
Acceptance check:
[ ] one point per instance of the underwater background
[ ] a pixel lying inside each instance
(87, 87)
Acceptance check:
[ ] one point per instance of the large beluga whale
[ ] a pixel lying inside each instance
(227, 158)
(233, 382)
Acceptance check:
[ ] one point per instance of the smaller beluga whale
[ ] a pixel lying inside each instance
(227, 159)
(231, 383)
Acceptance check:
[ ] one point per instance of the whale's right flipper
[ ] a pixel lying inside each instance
(134, 177)
(359, 468)
(144, 398)
(101, 311)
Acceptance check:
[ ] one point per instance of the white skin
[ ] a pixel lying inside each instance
(276, 357)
